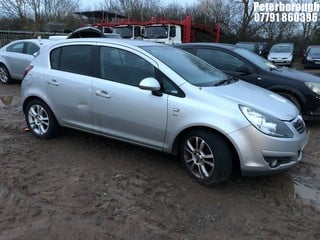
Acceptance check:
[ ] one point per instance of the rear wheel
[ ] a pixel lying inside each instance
(206, 157)
(4, 75)
(40, 120)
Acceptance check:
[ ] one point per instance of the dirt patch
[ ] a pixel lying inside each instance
(80, 186)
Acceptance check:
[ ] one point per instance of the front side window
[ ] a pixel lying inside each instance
(74, 59)
(122, 66)
(220, 59)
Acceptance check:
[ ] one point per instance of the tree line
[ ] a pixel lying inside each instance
(236, 17)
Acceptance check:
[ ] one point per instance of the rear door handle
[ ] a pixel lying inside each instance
(53, 82)
(104, 94)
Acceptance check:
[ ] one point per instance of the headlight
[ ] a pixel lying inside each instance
(315, 87)
(266, 123)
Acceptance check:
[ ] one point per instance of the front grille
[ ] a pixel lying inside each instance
(299, 125)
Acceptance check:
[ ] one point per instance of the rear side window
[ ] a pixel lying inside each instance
(74, 59)
(17, 47)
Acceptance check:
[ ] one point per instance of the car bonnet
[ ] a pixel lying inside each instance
(291, 74)
(257, 98)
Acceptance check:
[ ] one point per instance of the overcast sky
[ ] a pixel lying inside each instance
(91, 4)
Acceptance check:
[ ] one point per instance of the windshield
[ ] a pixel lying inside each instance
(314, 50)
(193, 69)
(156, 32)
(125, 32)
(281, 49)
(254, 58)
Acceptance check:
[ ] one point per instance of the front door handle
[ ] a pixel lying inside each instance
(104, 94)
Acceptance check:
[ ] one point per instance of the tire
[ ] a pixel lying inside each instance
(206, 157)
(40, 120)
(292, 99)
(4, 75)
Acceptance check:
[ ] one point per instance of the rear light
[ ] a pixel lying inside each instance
(27, 70)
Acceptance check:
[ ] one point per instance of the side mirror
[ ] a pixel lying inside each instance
(150, 84)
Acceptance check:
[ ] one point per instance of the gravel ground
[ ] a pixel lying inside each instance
(81, 186)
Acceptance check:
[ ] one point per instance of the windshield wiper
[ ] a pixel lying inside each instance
(274, 69)
(226, 81)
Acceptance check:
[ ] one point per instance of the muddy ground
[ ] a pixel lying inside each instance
(81, 186)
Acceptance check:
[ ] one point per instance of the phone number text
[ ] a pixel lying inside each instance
(286, 17)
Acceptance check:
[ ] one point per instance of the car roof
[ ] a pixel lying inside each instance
(37, 41)
(202, 44)
(116, 41)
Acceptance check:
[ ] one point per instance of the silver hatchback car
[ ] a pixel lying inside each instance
(16, 56)
(163, 98)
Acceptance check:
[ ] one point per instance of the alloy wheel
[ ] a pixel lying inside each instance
(38, 119)
(199, 157)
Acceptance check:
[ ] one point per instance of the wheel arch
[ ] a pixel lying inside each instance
(236, 169)
(296, 94)
(292, 91)
(31, 98)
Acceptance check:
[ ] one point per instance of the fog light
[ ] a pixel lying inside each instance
(274, 163)
(277, 161)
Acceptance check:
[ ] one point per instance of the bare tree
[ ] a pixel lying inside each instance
(140, 9)
(14, 8)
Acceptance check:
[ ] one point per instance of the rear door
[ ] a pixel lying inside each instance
(69, 85)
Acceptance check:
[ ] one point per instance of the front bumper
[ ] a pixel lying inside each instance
(281, 62)
(261, 154)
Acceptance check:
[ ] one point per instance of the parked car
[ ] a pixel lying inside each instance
(282, 54)
(16, 56)
(311, 57)
(143, 93)
(250, 46)
(301, 88)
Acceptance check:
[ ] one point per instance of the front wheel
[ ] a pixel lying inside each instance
(40, 119)
(206, 157)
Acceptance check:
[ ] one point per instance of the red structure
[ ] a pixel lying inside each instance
(189, 31)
